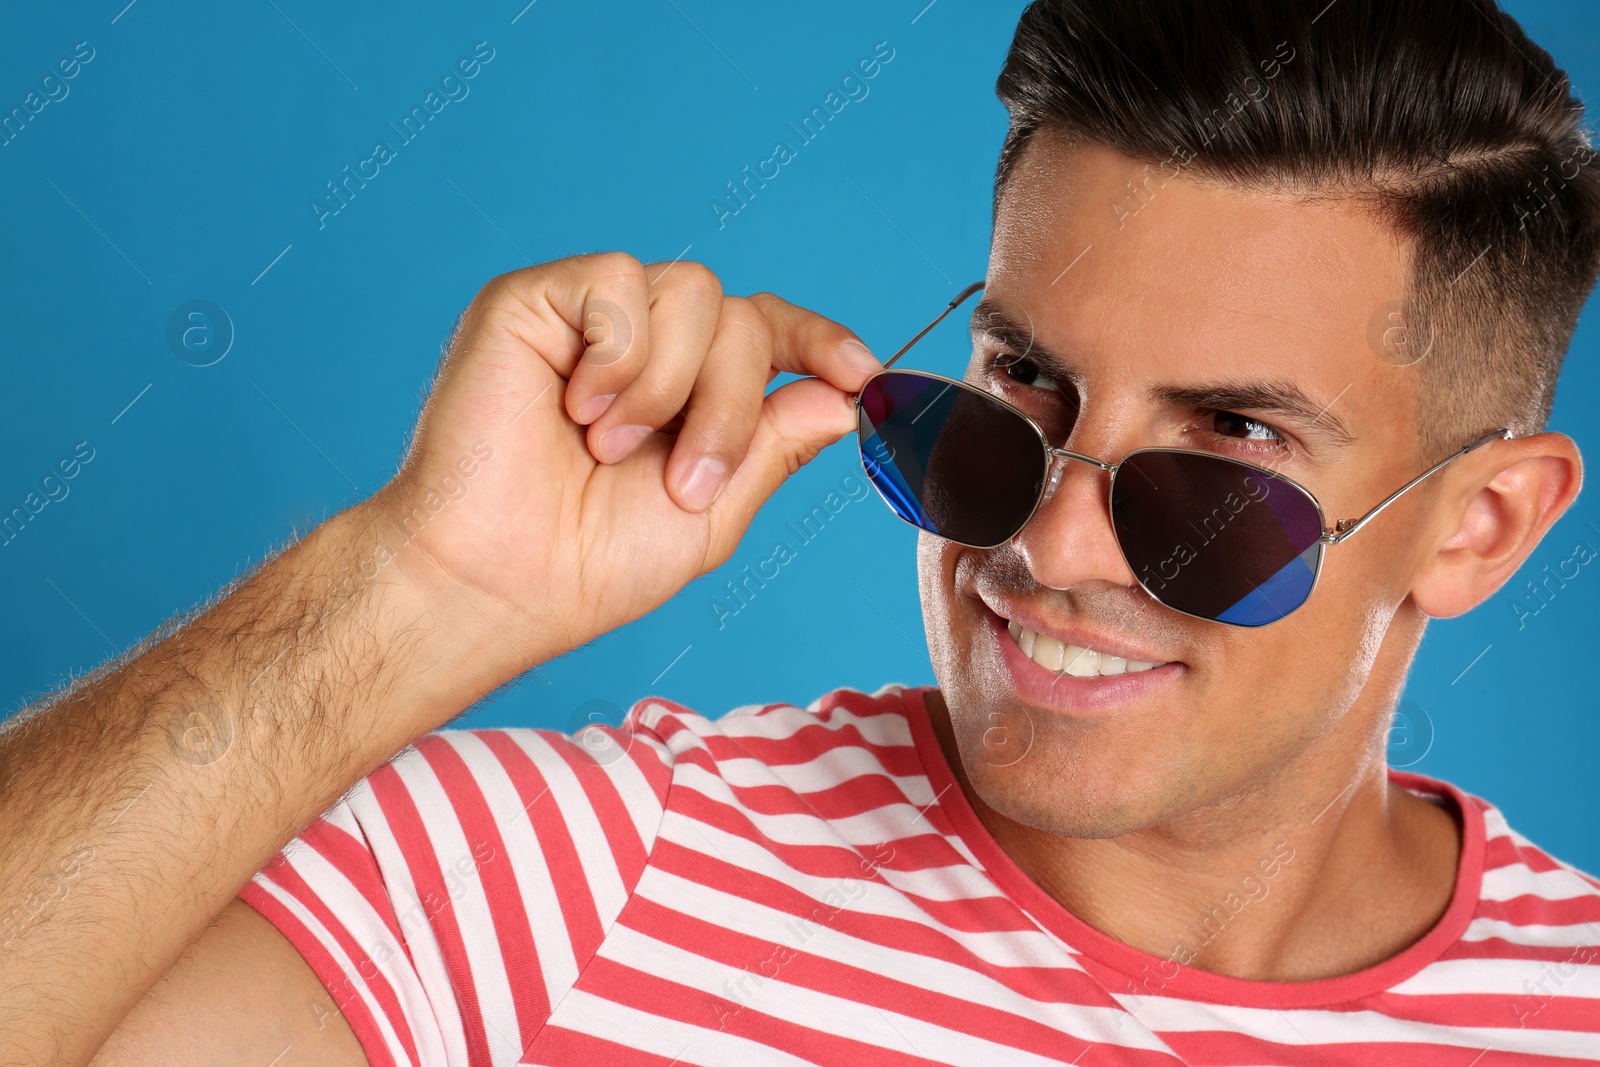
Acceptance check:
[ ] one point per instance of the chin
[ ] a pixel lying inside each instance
(1059, 778)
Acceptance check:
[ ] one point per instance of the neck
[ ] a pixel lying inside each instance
(1321, 871)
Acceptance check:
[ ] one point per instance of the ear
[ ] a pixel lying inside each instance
(1513, 492)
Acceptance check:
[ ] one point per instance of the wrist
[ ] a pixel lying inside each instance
(455, 642)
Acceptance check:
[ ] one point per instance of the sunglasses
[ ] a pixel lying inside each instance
(1209, 536)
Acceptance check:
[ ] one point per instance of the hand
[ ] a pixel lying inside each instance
(598, 437)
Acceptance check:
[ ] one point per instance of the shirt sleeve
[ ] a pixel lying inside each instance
(452, 898)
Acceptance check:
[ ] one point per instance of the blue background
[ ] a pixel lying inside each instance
(180, 167)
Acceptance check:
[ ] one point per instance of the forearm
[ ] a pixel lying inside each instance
(135, 805)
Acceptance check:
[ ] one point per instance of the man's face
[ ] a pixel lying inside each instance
(1144, 291)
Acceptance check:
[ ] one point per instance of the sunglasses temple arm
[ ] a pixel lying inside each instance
(968, 291)
(1346, 527)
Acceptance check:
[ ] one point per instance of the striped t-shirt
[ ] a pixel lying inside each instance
(788, 885)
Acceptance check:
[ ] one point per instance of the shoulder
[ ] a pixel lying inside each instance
(478, 784)
(1518, 902)
(880, 714)
(844, 729)
(474, 783)
(1530, 902)
(476, 855)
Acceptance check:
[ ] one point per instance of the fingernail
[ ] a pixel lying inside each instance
(860, 357)
(620, 440)
(594, 407)
(702, 482)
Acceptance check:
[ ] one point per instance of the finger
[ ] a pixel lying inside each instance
(612, 294)
(724, 406)
(685, 305)
(804, 342)
(562, 310)
(797, 422)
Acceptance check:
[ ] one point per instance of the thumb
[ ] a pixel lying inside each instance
(797, 422)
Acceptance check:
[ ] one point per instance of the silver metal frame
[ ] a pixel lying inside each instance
(1336, 534)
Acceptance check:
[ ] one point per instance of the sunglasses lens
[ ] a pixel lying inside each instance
(950, 459)
(1215, 538)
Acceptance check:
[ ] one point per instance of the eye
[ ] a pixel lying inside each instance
(1023, 371)
(1231, 424)
(1241, 427)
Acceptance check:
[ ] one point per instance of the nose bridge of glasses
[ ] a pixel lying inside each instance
(1067, 453)
(1060, 460)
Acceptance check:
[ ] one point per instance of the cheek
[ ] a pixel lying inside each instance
(953, 622)
(1293, 680)
(1350, 611)
(936, 559)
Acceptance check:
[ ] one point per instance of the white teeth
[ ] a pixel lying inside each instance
(1074, 660)
(1084, 663)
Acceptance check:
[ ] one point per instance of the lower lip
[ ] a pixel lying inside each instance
(1064, 693)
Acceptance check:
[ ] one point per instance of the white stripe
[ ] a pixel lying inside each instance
(1518, 880)
(1575, 974)
(474, 921)
(1481, 929)
(1330, 1029)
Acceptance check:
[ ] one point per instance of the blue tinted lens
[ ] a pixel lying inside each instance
(950, 459)
(1216, 538)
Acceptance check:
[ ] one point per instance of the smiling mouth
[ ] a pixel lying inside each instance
(1073, 660)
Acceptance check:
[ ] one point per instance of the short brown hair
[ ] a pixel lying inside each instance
(1460, 132)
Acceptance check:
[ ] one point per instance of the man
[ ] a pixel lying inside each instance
(1125, 828)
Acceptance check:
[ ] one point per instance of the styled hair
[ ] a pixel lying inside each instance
(1452, 126)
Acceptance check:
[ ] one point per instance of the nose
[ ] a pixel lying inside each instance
(1069, 540)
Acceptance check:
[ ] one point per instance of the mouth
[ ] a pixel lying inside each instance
(1072, 671)
(1079, 661)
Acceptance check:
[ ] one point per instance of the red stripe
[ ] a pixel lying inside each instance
(1498, 948)
(290, 880)
(601, 791)
(353, 858)
(508, 911)
(400, 810)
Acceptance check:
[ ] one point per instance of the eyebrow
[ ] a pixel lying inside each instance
(1282, 399)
